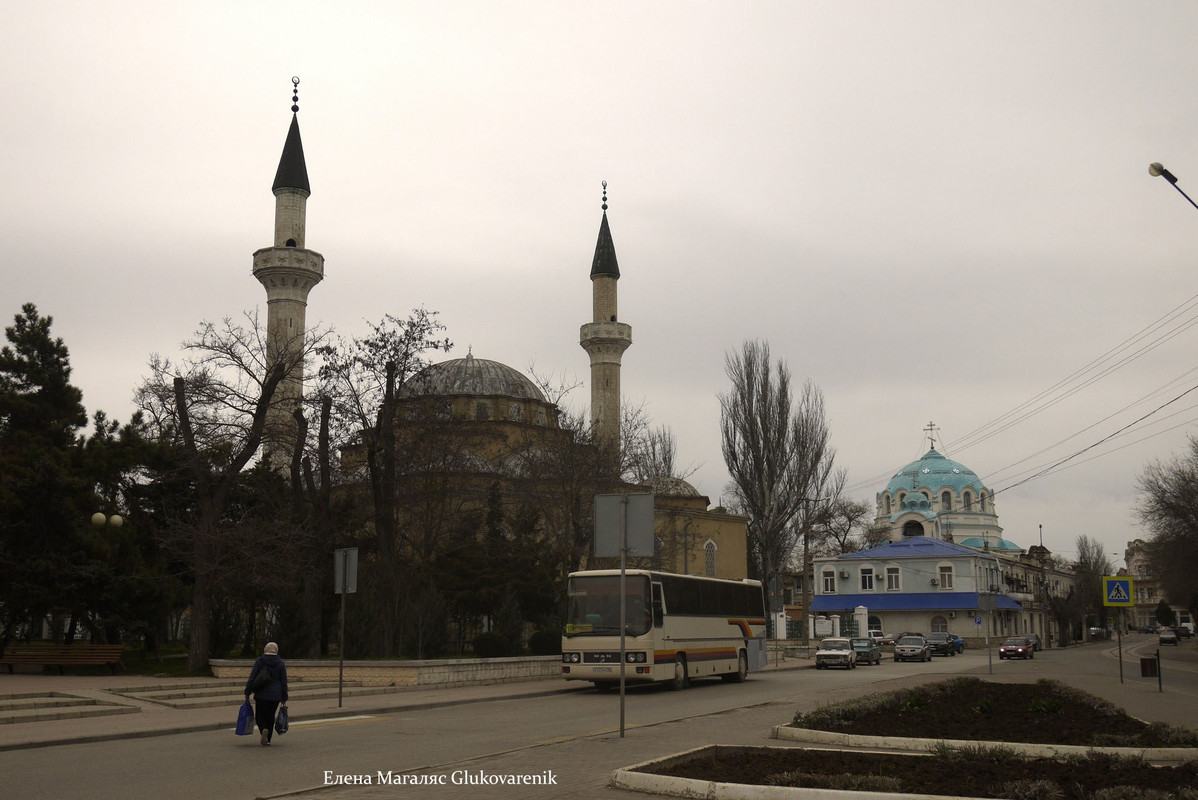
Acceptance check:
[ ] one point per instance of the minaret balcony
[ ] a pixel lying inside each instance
(289, 258)
(605, 341)
(288, 272)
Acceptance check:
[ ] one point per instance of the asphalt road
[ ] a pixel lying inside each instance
(574, 734)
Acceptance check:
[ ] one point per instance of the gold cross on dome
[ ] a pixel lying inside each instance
(931, 431)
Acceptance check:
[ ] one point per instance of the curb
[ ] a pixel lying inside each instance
(1157, 755)
(631, 778)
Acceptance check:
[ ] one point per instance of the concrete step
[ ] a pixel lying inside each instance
(43, 701)
(199, 683)
(8, 717)
(163, 694)
(295, 692)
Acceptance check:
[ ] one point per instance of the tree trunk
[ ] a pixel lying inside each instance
(201, 623)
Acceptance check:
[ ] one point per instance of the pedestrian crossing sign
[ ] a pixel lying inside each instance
(1116, 591)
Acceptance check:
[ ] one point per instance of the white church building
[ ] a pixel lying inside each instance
(946, 566)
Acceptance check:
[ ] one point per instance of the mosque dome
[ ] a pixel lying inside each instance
(672, 487)
(935, 472)
(471, 376)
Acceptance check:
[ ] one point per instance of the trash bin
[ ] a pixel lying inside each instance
(1148, 668)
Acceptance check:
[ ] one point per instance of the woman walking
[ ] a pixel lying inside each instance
(268, 683)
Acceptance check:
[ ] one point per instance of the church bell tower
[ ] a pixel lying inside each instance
(288, 271)
(605, 340)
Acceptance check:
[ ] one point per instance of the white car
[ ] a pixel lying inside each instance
(912, 647)
(835, 652)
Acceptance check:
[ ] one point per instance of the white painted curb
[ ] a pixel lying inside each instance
(631, 778)
(1156, 755)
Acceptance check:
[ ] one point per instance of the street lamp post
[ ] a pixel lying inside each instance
(1156, 170)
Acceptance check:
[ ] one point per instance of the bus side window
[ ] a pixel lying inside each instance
(657, 610)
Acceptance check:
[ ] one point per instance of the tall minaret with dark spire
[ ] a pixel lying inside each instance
(288, 271)
(605, 340)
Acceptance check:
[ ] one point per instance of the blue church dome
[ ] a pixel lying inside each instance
(934, 472)
(979, 543)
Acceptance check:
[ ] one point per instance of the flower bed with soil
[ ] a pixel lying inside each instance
(968, 709)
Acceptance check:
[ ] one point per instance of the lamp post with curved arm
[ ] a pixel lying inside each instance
(1156, 170)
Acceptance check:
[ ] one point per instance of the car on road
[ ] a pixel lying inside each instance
(1034, 638)
(959, 642)
(1183, 632)
(1167, 636)
(835, 652)
(942, 644)
(1016, 647)
(912, 647)
(892, 638)
(866, 650)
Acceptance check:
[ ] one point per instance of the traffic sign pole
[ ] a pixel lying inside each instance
(1118, 592)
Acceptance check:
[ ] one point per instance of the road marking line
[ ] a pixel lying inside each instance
(334, 720)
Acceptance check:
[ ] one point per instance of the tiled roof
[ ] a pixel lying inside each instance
(912, 547)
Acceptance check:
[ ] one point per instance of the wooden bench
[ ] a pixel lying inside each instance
(60, 655)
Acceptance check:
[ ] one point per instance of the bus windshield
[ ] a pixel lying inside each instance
(593, 605)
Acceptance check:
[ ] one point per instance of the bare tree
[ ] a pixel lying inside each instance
(777, 454)
(1091, 565)
(213, 406)
(364, 377)
(1168, 506)
(846, 525)
(654, 454)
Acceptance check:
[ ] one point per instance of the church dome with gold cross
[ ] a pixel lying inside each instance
(941, 498)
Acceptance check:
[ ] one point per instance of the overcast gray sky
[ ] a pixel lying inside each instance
(933, 210)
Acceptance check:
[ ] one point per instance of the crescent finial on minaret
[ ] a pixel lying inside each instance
(294, 94)
(604, 195)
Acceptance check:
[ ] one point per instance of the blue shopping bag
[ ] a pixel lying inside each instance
(245, 719)
(281, 723)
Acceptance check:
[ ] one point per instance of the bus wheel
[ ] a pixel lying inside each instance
(742, 669)
(679, 681)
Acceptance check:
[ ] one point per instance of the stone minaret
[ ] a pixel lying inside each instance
(288, 271)
(605, 340)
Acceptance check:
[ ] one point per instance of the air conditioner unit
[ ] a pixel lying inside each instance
(952, 615)
(934, 582)
(844, 573)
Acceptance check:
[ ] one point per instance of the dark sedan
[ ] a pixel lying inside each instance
(893, 638)
(942, 644)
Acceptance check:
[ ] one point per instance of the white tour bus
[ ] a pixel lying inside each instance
(677, 627)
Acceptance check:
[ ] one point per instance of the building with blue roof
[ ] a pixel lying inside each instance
(945, 566)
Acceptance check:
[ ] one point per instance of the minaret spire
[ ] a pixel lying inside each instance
(605, 340)
(288, 271)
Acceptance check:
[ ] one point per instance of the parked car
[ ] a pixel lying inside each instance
(1016, 647)
(942, 644)
(1168, 636)
(875, 636)
(1146, 629)
(1034, 638)
(1183, 632)
(959, 642)
(912, 647)
(866, 650)
(835, 652)
(893, 638)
